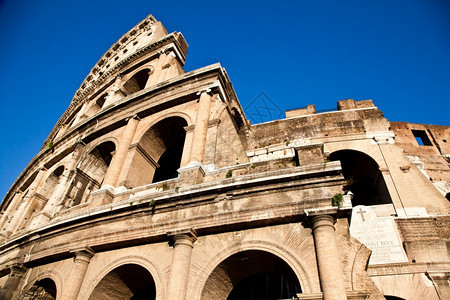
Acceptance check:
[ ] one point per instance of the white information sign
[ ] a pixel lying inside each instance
(379, 234)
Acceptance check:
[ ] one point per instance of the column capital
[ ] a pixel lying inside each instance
(204, 90)
(183, 236)
(323, 220)
(134, 117)
(18, 270)
(83, 253)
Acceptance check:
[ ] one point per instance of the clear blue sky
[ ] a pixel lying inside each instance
(296, 52)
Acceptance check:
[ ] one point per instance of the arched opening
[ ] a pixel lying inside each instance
(44, 289)
(90, 174)
(237, 118)
(97, 105)
(363, 178)
(128, 281)
(157, 156)
(137, 82)
(50, 184)
(392, 298)
(252, 274)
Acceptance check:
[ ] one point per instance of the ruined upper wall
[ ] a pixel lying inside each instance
(352, 117)
(427, 146)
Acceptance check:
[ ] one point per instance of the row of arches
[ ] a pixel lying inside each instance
(132, 83)
(156, 157)
(245, 275)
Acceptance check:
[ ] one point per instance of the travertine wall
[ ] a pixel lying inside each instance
(87, 204)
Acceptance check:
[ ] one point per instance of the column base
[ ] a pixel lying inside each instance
(41, 218)
(103, 196)
(193, 173)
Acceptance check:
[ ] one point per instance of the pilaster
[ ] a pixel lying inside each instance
(327, 254)
(183, 242)
(75, 280)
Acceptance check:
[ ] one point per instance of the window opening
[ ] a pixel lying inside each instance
(422, 138)
(363, 178)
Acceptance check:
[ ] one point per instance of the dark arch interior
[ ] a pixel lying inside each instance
(363, 177)
(44, 289)
(129, 281)
(393, 298)
(89, 176)
(252, 275)
(137, 82)
(172, 135)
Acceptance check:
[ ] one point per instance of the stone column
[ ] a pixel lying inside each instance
(201, 127)
(25, 208)
(76, 277)
(328, 261)
(181, 261)
(114, 94)
(60, 190)
(121, 153)
(165, 67)
(158, 69)
(7, 213)
(13, 281)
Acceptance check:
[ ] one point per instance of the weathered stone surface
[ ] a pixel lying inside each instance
(153, 183)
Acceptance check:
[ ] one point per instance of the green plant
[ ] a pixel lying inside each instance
(229, 174)
(287, 143)
(131, 203)
(151, 203)
(177, 189)
(50, 145)
(253, 166)
(164, 186)
(337, 200)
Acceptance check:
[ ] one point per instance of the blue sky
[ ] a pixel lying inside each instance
(295, 52)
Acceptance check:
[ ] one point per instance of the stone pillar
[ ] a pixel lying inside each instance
(181, 261)
(76, 277)
(58, 195)
(158, 69)
(166, 65)
(201, 127)
(327, 254)
(28, 203)
(7, 213)
(121, 153)
(79, 115)
(114, 94)
(13, 281)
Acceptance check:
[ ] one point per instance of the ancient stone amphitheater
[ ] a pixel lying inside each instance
(153, 185)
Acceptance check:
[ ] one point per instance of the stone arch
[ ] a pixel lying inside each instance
(237, 117)
(52, 275)
(49, 185)
(363, 177)
(41, 289)
(137, 81)
(97, 104)
(158, 153)
(291, 260)
(115, 270)
(388, 297)
(90, 172)
(132, 259)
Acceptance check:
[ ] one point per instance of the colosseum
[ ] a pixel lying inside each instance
(154, 185)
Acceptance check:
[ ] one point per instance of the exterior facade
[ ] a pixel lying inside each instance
(153, 185)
